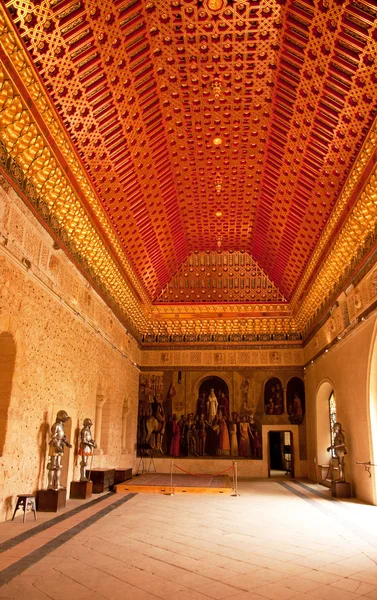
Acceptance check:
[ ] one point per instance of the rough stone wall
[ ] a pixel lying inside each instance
(68, 346)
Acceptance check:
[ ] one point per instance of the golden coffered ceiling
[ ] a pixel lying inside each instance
(211, 128)
(221, 276)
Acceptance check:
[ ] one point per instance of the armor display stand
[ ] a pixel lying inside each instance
(51, 500)
(340, 488)
(54, 498)
(83, 489)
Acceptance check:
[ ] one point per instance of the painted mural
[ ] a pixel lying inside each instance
(296, 400)
(273, 397)
(191, 414)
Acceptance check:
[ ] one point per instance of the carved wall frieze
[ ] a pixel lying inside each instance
(222, 359)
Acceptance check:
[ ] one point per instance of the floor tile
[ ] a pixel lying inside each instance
(266, 544)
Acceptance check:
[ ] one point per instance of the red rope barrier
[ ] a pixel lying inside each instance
(204, 475)
(319, 474)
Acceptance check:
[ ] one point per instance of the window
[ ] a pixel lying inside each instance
(332, 414)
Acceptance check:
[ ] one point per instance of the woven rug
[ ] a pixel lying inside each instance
(181, 480)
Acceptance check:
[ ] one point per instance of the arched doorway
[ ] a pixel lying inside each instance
(7, 365)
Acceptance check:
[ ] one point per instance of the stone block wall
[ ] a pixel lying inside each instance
(70, 348)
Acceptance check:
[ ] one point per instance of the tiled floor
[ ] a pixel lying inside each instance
(278, 540)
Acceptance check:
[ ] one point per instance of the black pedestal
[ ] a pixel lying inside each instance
(341, 489)
(51, 500)
(81, 490)
(122, 475)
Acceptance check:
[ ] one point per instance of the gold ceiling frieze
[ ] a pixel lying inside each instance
(347, 245)
(220, 329)
(356, 238)
(217, 310)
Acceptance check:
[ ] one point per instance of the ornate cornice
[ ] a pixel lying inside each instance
(346, 248)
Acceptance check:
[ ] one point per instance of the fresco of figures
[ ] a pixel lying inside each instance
(211, 431)
(210, 421)
(273, 397)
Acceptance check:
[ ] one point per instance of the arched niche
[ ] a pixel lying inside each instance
(273, 397)
(199, 380)
(106, 433)
(7, 365)
(215, 382)
(98, 426)
(296, 399)
(220, 388)
(324, 392)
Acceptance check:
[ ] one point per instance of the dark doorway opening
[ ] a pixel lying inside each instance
(280, 453)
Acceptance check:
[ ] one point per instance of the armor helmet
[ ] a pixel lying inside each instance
(87, 422)
(338, 425)
(62, 416)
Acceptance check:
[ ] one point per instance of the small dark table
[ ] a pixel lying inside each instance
(103, 480)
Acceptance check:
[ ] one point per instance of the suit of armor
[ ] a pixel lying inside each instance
(57, 444)
(87, 445)
(339, 447)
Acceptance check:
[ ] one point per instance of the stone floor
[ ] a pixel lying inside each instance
(277, 540)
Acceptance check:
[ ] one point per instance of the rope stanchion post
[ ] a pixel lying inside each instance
(235, 480)
(171, 478)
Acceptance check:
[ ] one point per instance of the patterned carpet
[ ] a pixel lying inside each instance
(181, 480)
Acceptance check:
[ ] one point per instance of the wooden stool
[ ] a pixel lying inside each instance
(25, 501)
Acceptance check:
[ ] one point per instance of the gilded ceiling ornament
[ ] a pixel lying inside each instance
(216, 88)
(215, 5)
(218, 184)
